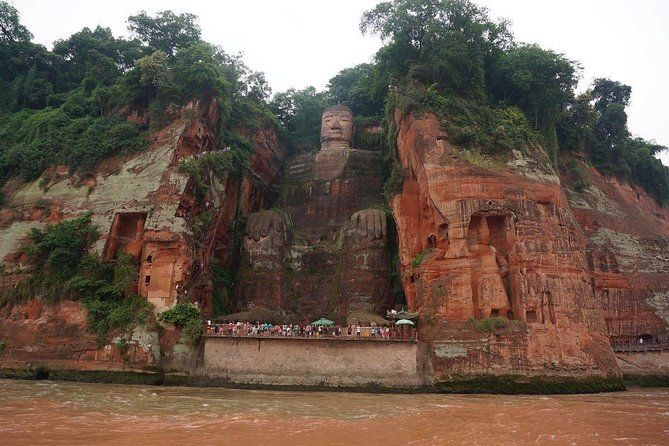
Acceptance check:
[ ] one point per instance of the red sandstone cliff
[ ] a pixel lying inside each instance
(477, 238)
(627, 236)
(144, 206)
(497, 239)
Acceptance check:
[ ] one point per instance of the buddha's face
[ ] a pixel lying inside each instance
(336, 127)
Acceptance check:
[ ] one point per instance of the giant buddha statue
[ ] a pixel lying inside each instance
(325, 250)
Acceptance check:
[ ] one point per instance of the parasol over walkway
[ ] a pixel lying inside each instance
(402, 314)
(404, 322)
(322, 322)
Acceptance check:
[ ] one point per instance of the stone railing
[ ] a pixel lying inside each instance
(633, 346)
(409, 336)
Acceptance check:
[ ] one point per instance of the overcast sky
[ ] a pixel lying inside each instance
(306, 42)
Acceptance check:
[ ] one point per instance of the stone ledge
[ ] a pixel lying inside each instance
(646, 379)
(531, 385)
(504, 384)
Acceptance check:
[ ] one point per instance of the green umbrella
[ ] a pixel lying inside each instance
(404, 322)
(323, 321)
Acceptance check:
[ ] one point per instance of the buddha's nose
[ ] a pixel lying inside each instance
(336, 125)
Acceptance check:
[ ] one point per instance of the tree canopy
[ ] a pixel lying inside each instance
(492, 93)
(69, 105)
(166, 31)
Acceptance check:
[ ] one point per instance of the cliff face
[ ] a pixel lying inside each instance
(55, 335)
(499, 240)
(324, 252)
(145, 206)
(478, 239)
(628, 254)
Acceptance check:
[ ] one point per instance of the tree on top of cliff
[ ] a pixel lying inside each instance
(362, 87)
(596, 122)
(606, 92)
(451, 58)
(11, 29)
(167, 31)
(539, 81)
(86, 52)
(299, 111)
(447, 43)
(69, 106)
(455, 49)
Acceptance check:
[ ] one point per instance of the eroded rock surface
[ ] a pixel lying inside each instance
(628, 255)
(142, 205)
(501, 241)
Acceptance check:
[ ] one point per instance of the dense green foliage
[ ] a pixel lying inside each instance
(180, 314)
(488, 325)
(192, 333)
(363, 88)
(56, 253)
(166, 32)
(187, 316)
(450, 57)
(32, 140)
(60, 266)
(69, 106)
(491, 93)
(595, 122)
(299, 112)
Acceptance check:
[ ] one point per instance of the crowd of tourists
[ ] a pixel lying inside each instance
(265, 329)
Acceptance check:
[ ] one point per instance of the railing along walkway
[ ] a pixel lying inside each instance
(633, 347)
(211, 334)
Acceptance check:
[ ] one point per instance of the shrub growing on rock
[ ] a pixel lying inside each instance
(180, 314)
(488, 325)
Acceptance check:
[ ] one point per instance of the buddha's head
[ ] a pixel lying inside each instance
(336, 127)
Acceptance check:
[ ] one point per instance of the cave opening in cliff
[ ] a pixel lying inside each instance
(126, 235)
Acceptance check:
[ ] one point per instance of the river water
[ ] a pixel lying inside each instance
(61, 413)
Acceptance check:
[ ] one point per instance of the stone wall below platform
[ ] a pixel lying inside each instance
(644, 363)
(315, 362)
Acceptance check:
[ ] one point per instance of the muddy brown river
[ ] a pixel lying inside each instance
(60, 413)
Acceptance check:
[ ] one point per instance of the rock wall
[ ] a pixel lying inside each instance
(36, 334)
(646, 363)
(484, 238)
(478, 238)
(627, 236)
(144, 206)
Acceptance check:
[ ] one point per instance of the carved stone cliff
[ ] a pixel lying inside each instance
(145, 206)
(500, 241)
(325, 251)
(627, 235)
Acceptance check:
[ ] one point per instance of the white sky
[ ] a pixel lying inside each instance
(306, 42)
